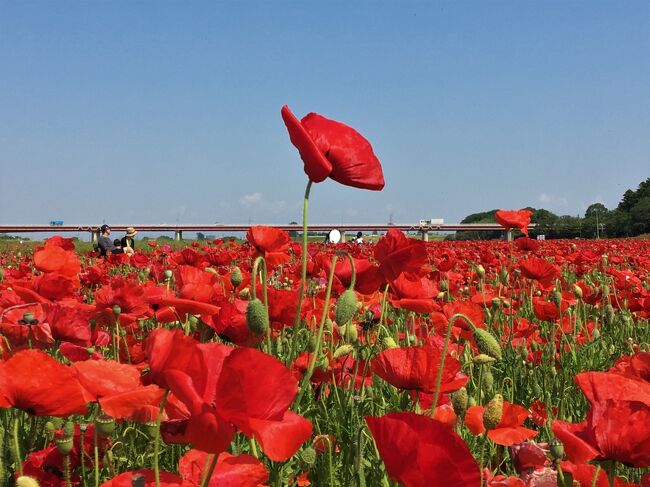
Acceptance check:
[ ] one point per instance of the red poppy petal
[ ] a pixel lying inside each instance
(281, 439)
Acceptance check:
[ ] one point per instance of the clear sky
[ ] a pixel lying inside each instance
(164, 112)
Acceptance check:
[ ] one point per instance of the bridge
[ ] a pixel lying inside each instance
(179, 229)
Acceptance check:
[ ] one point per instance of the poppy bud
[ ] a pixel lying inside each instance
(138, 480)
(577, 291)
(495, 303)
(481, 359)
(349, 332)
(346, 307)
(329, 325)
(150, 429)
(557, 298)
(444, 286)
(311, 344)
(25, 481)
(308, 455)
(504, 277)
(236, 277)
(245, 293)
(471, 401)
(343, 350)
(68, 428)
(557, 449)
(388, 342)
(57, 422)
(49, 428)
(609, 312)
(168, 274)
(323, 363)
(117, 310)
(606, 290)
(488, 381)
(440, 295)
(64, 445)
(493, 412)
(523, 353)
(105, 425)
(487, 344)
(256, 317)
(480, 271)
(459, 401)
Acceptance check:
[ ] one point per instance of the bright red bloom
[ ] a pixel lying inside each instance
(509, 430)
(420, 452)
(584, 474)
(35, 382)
(332, 149)
(53, 258)
(396, 253)
(270, 242)
(230, 470)
(514, 219)
(540, 270)
(416, 368)
(167, 479)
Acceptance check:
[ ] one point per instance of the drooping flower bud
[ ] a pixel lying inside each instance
(236, 277)
(557, 449)
(68, 429)
(488, 381)
(349, 332)
(493, 412)
(308, 455)
(480, 271)
(487, 344)
(257, 318)
(312, 343)
(577, 291)
(346, 307)
(343, 350)
(388, 342)
(482, 359)
(105, 425)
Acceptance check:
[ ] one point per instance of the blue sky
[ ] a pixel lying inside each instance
(164, 112)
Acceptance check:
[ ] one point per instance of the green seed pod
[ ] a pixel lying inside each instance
(493, 412)
(503, 277)
(64, 445)
(105, 425)
(459, 401)
(557, 449)
(257, 318)
(343, 350)
(117, 310)
(308, 455)
(348, 332)
(444, 286)
(57, 422)
(68, 428)
(596, 334)
(487, 344)
(28, 318)
(480, 271)
(496, 302)
(388, 342)
(440, 295)
(557, 298)
(481, 359)
(346, 307)
(245, 294)
(236, 277)
(150, 429)
(168, 274)
(311, 344)
(49, 428)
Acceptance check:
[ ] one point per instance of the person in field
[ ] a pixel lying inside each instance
(106, 245)
(129, 239)
(359, 239)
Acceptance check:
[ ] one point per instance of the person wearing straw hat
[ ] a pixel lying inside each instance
(128, 240)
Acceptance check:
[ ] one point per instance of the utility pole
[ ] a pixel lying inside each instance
(597, 233)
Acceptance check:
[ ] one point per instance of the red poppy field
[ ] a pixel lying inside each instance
(280, 363)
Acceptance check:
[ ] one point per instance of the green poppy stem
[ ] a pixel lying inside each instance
(156, 444)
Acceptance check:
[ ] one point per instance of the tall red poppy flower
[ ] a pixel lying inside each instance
(420, 452)
(167, 479)
(53, 258)
(270, 242)
(35, 382)
(396, 253)
(519, 219)
(416, 368)
(540, 270)
(332, 149)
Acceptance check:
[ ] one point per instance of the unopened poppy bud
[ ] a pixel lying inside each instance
(68, 428)
(346, 307)
(612, 349)
(64, 445)
(236, 277)
(459, 401)
(471, 401)
(105, 425)
(480, 271)
(117, 310)
(138, 480)
(553, 371)
(557, 298)
(516, 272)
(493, 412)
(343, 350)
(329, 325)
(150, 428)
(348, 332)
(168, 274)
(606, 290)
(49, 428)
(609, 312)
(523, 353)
(57, 422)
(388, 342)
(311, 344)
(323, 363)
(440, 295)
(557, 449)
(504, 277)
(482, 358)
(488, 381)
(487, 344)
(308, 455)
(444, 286)
(496, 302)
(245, 293)
(506, 303)
(596, 334)
(25, 481)
(577, 291)
(257, 318)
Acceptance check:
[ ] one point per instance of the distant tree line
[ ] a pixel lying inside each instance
(630, 218)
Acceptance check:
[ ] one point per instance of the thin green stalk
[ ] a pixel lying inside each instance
(256, 264)
(17, 447)
(156, 440)
(207, 473)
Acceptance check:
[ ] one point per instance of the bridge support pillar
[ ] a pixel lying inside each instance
(342, 236)
(178, 235)
(94, 236)
(509, 235)
(425, 235)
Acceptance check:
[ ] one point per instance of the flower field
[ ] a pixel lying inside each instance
(524, 363)
(284, 363)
